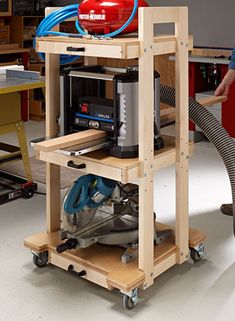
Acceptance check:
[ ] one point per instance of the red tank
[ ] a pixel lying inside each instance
(102, 17)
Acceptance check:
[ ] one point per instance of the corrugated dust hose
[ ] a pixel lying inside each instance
(213, 130)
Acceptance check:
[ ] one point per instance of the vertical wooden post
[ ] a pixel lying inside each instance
(90, 61)
(52, 171)
(146, 148)
(19, 127)
(182, 136)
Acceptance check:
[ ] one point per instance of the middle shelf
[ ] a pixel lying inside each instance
(123, 170)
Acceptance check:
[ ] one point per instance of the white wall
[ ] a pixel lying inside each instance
(212, 22)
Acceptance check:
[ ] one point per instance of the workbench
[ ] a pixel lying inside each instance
(16, 84)
(21, 54)
(102, 263)
(10, 117)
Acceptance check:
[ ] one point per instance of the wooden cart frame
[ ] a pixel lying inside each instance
(102, 264)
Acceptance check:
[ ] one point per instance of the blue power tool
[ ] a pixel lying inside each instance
(90, 191)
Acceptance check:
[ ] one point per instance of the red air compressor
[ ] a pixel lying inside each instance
(102, 17)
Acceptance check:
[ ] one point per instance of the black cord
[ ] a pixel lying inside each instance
(40, 193)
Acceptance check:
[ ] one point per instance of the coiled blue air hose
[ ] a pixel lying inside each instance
(68, 12)
(52, 20)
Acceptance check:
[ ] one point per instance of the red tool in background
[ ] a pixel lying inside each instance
(103, 17)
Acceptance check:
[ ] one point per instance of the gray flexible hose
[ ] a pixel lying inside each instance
(213, 130)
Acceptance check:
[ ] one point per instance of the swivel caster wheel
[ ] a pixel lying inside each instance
(130, 300)
(195, 256)
(197, 253)
(40, 260)
(127, 302)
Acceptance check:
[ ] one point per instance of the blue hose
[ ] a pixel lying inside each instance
(52, 20)
(68, 12)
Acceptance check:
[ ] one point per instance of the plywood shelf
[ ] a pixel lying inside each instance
(123, 170)
(122, 48)
(104, 262)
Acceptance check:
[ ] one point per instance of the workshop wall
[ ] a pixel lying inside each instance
(64, 2)
(212, 23)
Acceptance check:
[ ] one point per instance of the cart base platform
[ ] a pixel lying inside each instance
(102, 263)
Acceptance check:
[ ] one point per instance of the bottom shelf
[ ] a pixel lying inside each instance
(103, 264)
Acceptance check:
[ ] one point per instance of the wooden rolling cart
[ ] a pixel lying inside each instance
(102, 263)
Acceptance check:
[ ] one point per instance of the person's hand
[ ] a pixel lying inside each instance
(223, 89)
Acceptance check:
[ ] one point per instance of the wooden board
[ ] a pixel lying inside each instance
(103, 263)
(123, 170)
(212, 100)
(122, 48)
(168, 114)
(196, 237)
(114, 48)
(211, 52)
(69, 140)
(13, 51)
(9, 46)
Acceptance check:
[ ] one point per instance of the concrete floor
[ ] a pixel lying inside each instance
(203, 291)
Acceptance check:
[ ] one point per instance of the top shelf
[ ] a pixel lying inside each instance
(122, 48)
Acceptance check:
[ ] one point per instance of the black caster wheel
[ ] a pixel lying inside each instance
(27, 193)
(40, 260)
(127, 302)
(195, 255)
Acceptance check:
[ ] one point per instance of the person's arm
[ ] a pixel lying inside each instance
(223, 89)
(232, 62)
